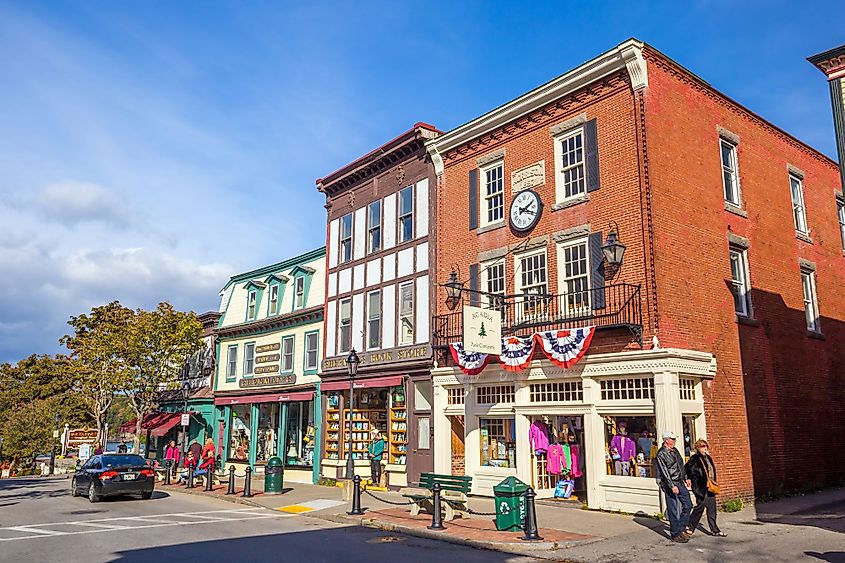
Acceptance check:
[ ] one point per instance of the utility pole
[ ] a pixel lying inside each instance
(53, 452)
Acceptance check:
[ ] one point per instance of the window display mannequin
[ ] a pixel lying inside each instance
(623, 450)
(644, 443)
(538, 436)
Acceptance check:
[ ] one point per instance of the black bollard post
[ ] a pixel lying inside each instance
(209, 479)
(190, 478)
(248, 482)
(356, 496)
(436, 513)
(530, 527)
(231, 489)
(167, 464)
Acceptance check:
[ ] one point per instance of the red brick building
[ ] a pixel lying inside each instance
(724, 319)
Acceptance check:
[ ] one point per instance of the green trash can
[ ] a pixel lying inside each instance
(510, 504)
(274, 473)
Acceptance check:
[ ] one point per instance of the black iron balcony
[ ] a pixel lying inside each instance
(612, 306)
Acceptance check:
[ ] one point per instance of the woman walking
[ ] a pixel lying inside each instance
(701, 471)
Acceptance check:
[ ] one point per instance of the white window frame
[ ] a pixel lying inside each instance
(273, 300)
(299, 292)
(252, 304)
(573, 301)
(345, 242)
(741, 280)
(492, 202)
(232, 362)
(374, 228)
(730, 172)
(561, 170)
(811, 300)
(315, 350)
(799, 212)
(406, 316)
(493, 283)
(249, 359)
(341, 326)
(407, 214)
(287, 355)
(373, 320)
(530, 308)
(840, 214)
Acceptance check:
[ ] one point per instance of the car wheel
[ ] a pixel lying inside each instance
(74, 492)
(147, 495)
(92, 493)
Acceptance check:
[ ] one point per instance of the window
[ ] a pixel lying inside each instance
(406, 313)
(575, 277)
(740, 285)
(312, 343)
(251, 301)
(632, 389)
(455, 396)
(730, 177)
(273, 303)
(346, 238)
(232, 367)
(569, 166)
(840, 211)
(811, 305)
(299, 293)
(406, 214)
(629, 443)
(531, 281)
(686, 388)
(298, 446)
(240, 429)
(268, 431)
(798, 213)
(374, 227)
(287, 353)
(494, 276)
(557, 392)
(494, 394)
(493, 204)
(249, 358)
(374, 320)
(498, 442)
(344, 327)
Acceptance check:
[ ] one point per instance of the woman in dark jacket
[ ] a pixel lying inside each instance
(699, 467)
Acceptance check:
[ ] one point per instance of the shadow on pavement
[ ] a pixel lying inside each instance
(334, 545)
(655, 526)
(13, 491)
(829, 516)
(831, 556)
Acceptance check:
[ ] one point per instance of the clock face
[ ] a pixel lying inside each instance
(525, 210)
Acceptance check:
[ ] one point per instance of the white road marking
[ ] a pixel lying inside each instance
(34, 530)
(98, 525)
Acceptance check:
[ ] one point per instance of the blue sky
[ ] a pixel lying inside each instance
(149, 150)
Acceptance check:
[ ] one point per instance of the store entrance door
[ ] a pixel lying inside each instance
(421, 459)
(563, 458)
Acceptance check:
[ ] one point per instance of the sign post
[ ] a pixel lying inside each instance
(186, 419)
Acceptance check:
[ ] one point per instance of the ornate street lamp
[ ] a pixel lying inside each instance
(613, 250)
(352, 362)
(454, 287)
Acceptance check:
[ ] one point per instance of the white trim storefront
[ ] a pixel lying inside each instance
(658, 390)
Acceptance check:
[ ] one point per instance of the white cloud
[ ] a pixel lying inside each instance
(70, 202)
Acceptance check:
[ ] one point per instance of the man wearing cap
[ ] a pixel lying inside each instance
(674, 482)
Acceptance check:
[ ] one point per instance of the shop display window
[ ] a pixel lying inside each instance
(299, 444)
(239, 432)
(498, 442)
(689, 434)
(630, 445)
(557, 453)
(379, 408)
(268, 431)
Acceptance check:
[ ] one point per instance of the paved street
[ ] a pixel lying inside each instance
(40, 521)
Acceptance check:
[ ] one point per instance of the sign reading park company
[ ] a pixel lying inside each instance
(249, 382)
(482, 330)
(404, 354)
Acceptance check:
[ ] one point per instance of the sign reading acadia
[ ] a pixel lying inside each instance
(482, 330)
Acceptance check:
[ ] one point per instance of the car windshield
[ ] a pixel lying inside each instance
(122, 460)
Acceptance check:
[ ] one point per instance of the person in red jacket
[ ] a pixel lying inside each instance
(172, 453)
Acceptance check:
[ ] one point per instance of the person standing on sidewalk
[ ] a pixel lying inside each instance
(376, 452)
(674, 482)
(172, 453)
(701, 470)
(196, 449)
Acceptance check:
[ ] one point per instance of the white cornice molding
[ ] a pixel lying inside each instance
(627, 55)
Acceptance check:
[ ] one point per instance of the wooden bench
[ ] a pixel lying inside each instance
(453, 494)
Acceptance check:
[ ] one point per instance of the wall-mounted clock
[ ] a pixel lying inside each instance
(526, 208)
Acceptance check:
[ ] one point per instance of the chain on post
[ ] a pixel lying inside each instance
(390, 501)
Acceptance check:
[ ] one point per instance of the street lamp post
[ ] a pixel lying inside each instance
(53, 452)
(352, 362)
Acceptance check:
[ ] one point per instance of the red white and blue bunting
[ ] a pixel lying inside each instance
(562, 347)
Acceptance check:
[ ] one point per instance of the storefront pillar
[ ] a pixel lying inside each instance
(227, 420)
(522, 425)
(472, 442)
(442, 429)
(593, 446)
(318, 434)
(253, 433)
(281, 437)
(667, 406)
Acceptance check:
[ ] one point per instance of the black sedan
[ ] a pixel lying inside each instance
(113, 474)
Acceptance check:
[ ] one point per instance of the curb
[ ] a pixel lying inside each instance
(228, 498)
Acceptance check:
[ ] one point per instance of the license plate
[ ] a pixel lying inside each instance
(129, 476)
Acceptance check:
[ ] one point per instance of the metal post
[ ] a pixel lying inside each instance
(53, 451)
(167, 464)
(436, 513)
(248, 482)
(231, 489)
(356, 496)
(190, 478)
(350, 464)
(530, 527)
(209, 478)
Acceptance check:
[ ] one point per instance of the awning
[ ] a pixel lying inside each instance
(158, 423)
(266, 398)
(388, 381)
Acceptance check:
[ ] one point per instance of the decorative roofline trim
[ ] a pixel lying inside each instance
(313, 314)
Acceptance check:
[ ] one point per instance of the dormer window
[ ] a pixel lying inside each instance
(274, 300)
(251, 304)
(302, 276)
(299, 293)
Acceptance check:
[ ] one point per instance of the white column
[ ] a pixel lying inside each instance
(472, 439)
(594, 462)
(522, 396)
(667, 406)
(442, 432)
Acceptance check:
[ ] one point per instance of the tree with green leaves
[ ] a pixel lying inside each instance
(159, 343)
(98, 354)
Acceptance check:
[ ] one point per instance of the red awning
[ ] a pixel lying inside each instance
(266, 398)
(158, 423)
(388, 381)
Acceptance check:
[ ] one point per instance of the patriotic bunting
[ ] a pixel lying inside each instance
(562, 347)
(516, 352)
(565, 347)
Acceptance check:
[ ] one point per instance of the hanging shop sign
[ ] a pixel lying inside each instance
(266, 359)
(272, 368)
(482, 330)
(250, 382)
(267, 348)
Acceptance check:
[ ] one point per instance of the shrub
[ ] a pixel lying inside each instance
(733, 505)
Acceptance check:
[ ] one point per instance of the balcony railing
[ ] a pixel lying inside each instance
(612, 306)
